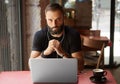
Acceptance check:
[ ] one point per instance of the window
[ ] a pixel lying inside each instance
(10, 35)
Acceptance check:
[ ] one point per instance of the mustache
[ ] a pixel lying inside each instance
(55, 26)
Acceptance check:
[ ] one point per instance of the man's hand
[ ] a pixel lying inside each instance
(54, 45)
(50, 48)
(57, 47)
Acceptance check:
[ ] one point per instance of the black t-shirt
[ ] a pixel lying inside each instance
(70, 41)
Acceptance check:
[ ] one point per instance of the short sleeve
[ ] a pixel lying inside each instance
(37, 41)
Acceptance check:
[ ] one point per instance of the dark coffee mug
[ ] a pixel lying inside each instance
(99, 73)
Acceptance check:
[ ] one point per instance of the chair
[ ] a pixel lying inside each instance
(93, 45)
(87, 32)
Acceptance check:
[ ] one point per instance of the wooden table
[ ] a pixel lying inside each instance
(94, 43)
(98, 38)
(24, 77)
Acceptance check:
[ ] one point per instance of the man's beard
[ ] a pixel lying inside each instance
(60, 29)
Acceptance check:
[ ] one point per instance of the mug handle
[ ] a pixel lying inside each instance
(105, 73)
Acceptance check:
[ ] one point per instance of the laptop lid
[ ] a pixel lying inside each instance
(53, 70)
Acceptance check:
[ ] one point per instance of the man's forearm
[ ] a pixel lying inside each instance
(35, 54)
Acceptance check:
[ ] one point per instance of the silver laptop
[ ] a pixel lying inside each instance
(53, 70)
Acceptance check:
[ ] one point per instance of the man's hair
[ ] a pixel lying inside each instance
(54, 7)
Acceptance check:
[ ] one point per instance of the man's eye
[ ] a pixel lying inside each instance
(50, 20)
(59, 19)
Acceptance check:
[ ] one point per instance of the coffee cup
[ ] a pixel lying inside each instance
(99, 73)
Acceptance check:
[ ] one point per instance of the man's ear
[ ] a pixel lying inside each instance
(45, 17)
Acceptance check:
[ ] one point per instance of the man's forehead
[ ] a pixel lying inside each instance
(54, 14)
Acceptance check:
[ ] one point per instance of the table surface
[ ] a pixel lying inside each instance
(84, 78)
(98, 38)
(24, 77)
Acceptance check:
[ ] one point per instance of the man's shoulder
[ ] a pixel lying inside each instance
(41, 32)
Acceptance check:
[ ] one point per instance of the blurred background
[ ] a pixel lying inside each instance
(20, 19)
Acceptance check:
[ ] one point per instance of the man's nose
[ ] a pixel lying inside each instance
(54, 23)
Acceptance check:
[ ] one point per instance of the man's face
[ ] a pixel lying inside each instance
(54, 21)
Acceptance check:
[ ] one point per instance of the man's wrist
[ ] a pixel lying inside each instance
(64, 55)
(42, 55)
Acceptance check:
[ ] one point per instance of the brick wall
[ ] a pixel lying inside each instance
(83, 14)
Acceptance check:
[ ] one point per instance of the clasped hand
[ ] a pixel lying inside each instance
(54, 45)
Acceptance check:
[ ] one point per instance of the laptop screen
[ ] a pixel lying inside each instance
(53, 70)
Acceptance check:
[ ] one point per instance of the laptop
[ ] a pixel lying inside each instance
(53, 70)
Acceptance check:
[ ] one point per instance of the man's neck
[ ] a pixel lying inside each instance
(58, 35)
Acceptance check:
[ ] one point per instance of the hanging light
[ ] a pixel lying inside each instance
(7, 1)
